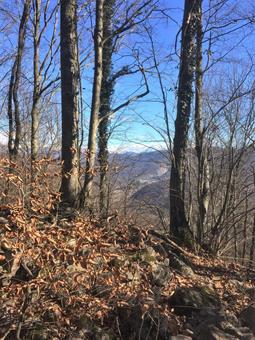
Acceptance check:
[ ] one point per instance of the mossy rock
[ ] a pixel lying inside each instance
(147, 255)
(186, 300)
(88, 327)
(180, 266)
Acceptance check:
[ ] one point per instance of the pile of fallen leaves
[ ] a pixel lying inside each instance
(53, 272)
(56, 272)
(63, 276)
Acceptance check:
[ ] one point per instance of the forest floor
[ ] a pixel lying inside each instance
(65, 277)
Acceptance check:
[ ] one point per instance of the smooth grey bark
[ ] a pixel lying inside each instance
(201, 149)
(179, 227)
(35, 115)
(41, 68)
(14, 117)
(110, 37)
(105, 107)
(86, 200)
(69, 101)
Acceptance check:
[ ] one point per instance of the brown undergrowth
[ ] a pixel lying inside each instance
(61, 273)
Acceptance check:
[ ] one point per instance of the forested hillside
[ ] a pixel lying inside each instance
(127, 169)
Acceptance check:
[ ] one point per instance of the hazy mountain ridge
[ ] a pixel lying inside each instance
(152, 173)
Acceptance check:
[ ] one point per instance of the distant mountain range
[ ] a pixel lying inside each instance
(150, 172)
(145, 167)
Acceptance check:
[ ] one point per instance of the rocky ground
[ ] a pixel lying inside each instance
(64, 277)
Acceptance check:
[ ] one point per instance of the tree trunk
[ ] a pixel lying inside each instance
(252, 248)
(105, 107)
(179, 227)
(69, 101)
(35, 115)
(203, 168)
(245, 229)
(15, 132)
(95, 107)
(11, 137)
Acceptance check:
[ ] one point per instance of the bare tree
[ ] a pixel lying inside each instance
(95, 107)
(178, 222)
(230, 134)
(42, 65)
(201, 148)
(36, 90)
(105, 107)
(112, 34)
(15, 129)
(69, 95)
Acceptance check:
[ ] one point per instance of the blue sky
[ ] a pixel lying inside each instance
(138, 124)
(233, 51)
(133, 133)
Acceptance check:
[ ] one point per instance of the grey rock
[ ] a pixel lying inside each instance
(161, 274)
(180, 266)
(214, 333)
(185, 300)
(87, 329)
(248, 317)
(150, 325)
(222, 325)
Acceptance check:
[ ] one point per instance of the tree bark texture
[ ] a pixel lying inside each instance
(14, 117)
(35, 114)
(86, 200)
(69, 101)
(105, 106)
(201, 149)
(178, 222)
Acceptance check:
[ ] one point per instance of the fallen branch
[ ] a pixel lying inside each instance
(171, 243)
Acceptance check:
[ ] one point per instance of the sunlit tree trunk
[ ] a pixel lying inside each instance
(35, 114)
(201, 149)
(95, 107)
(179, 227)
(14, 117)
(105, 107)
(69, 101)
